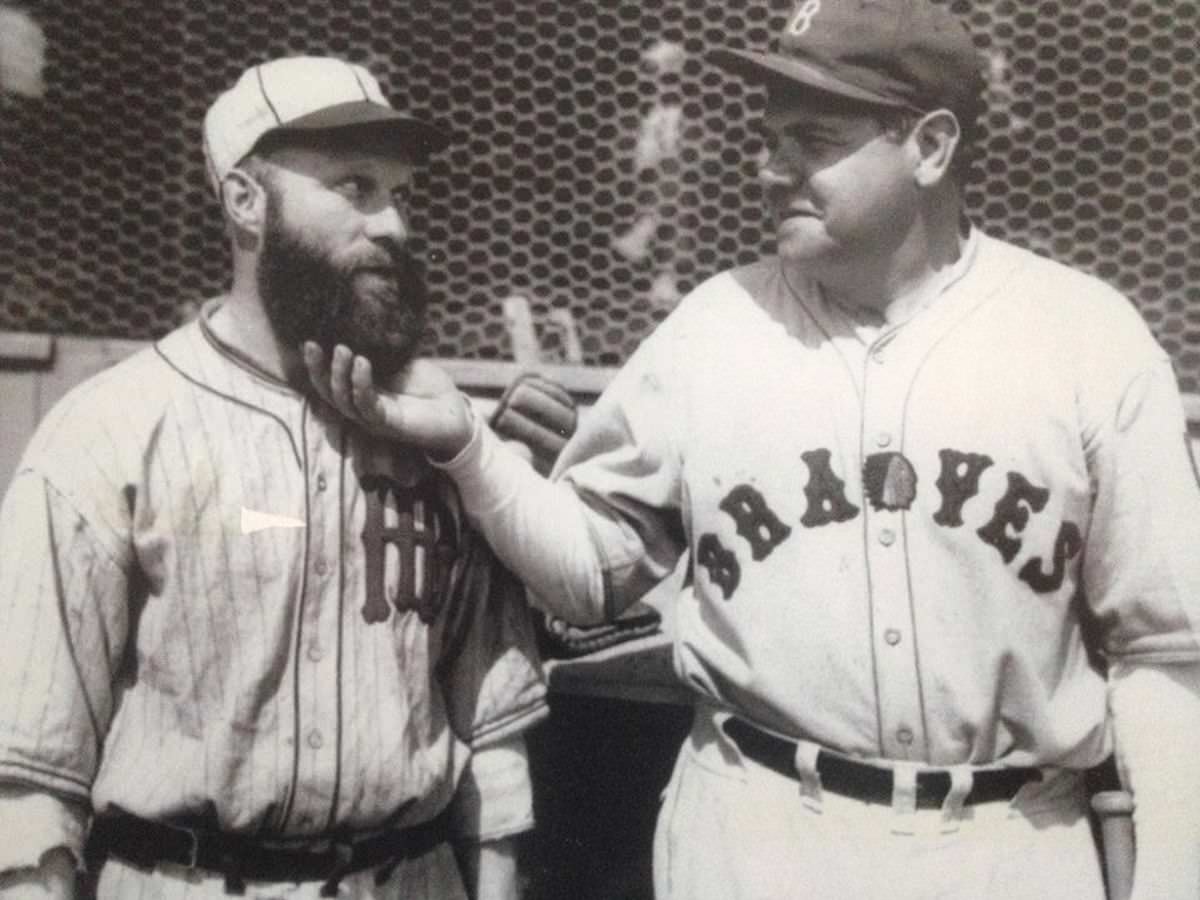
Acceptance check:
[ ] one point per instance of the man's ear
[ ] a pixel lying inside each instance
(936, 138)
(244, 200)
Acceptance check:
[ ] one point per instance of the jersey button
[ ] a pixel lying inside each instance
(883, 439)
(314, 652)
(904, 736)
(887, 537)
(877, 357)
(322, 483)
(892, 636)
(315, 740)
(321, 567)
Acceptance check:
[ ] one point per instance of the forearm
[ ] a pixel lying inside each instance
(43, 844)
(1156, 715)
(489, 869)
(539, 529)
(493, 805)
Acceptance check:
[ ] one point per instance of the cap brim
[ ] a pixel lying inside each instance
(764, 67)
(411, 135)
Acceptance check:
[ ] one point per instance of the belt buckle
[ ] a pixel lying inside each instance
(194, 841)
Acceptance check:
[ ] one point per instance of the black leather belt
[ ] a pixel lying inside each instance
(863, 781)
(147, 843)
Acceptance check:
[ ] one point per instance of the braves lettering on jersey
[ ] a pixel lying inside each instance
(899, 537)
(289, 681)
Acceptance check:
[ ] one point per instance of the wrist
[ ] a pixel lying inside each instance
(459, 438)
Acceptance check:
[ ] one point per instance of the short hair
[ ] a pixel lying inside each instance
(896, 121)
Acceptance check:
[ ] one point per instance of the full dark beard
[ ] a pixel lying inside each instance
(375, 305)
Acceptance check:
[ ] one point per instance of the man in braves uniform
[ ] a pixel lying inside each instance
(913, 467)
(261, 647)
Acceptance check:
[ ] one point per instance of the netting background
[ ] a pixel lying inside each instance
(602, 168)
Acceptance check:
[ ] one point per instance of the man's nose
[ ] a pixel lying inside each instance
(781, 167)
(388, 222)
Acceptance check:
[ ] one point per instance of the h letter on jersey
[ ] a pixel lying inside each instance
(409, 547)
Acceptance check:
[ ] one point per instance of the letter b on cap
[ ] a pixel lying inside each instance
(802, 18)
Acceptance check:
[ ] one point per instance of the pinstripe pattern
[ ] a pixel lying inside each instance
(227, 671)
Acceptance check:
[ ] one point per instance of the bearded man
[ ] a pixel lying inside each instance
(246, 647)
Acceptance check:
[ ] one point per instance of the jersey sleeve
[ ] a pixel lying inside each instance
(63, 624)
(609, 528)
(1141, 562)
(624, 464)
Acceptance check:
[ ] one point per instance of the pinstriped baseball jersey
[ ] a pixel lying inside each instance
(290, 680)
(900, 540)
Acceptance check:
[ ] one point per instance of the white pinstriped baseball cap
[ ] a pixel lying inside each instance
(305, 93)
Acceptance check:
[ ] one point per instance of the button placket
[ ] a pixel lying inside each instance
(315, 655)
(898, 685)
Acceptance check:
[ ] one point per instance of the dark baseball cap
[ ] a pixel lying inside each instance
(911, 54)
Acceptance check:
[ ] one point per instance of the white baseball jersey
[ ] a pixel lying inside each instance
(289, 680)
(898, 545)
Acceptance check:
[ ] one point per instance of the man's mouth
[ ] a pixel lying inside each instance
(796, 211)
(388, 272)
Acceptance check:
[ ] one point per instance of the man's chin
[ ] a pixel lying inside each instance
(387, 366)
(802, 241)
(386, 361)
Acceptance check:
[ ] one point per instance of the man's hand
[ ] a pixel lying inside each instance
(420, 406)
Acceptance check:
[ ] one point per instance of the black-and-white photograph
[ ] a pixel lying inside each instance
(601, 450)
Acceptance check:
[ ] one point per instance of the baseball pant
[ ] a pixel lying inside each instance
(731, 829)
(434, 876)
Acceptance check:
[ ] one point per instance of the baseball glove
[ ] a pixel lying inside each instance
(537, 413)
(562, 640)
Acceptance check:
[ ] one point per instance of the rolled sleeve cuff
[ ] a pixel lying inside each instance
(33, 823)
(495, 795)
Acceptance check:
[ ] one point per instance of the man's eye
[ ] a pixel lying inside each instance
(809, 142)
(354, 187)
(767, 138)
